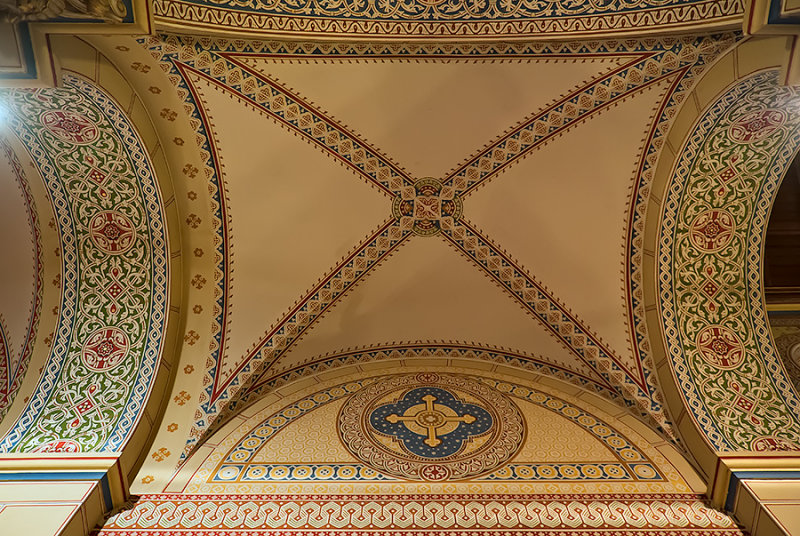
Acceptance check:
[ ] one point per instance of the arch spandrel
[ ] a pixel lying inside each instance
(615, 440)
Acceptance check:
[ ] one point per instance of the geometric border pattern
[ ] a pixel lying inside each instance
(459, 19)
(711, 298)
(513, 515)
(114, 294)
(527, 472)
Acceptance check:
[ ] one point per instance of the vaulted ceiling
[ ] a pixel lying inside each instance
(376, 202)
(340, 201)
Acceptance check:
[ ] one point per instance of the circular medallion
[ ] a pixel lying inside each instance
(105, 349)
(428, 207)
(431, 427)
(59, 445)
(772, 443)
(712, 230)
(112, 232)
(720, 347)
(71, 127)
(757, 125)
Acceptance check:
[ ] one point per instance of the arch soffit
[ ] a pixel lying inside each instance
(93, 57)
(82, 61)
(697, 424)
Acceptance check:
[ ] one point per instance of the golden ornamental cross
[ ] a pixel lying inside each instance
(430, 419)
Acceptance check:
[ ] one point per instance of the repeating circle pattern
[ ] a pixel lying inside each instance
(645, 472)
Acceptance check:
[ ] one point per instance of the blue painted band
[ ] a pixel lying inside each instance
(40, 476)
(736, 476)
(105, 489)
(26, 47)
(775, 17)
(778, 314)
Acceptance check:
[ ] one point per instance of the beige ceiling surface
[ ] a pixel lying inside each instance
(284, 224)
(428, 292)
(429, 116)
(294, 212)
(18, 284)
(562, 213)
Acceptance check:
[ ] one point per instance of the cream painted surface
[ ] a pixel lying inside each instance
(294, 214)
(36, 519)
(769, 507)
(310, 439)
(787, 517)
(17, 285)
(552, 438)
(430, 116)
(35, 491)
(562, 213)
(40, 508)
(428, 292)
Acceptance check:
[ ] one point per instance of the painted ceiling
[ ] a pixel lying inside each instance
(357, 203)
(347, 215)
(351, 203)
(370, 203)
(437, 18)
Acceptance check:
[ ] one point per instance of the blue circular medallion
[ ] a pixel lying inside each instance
(431, 427)
(431, 422)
